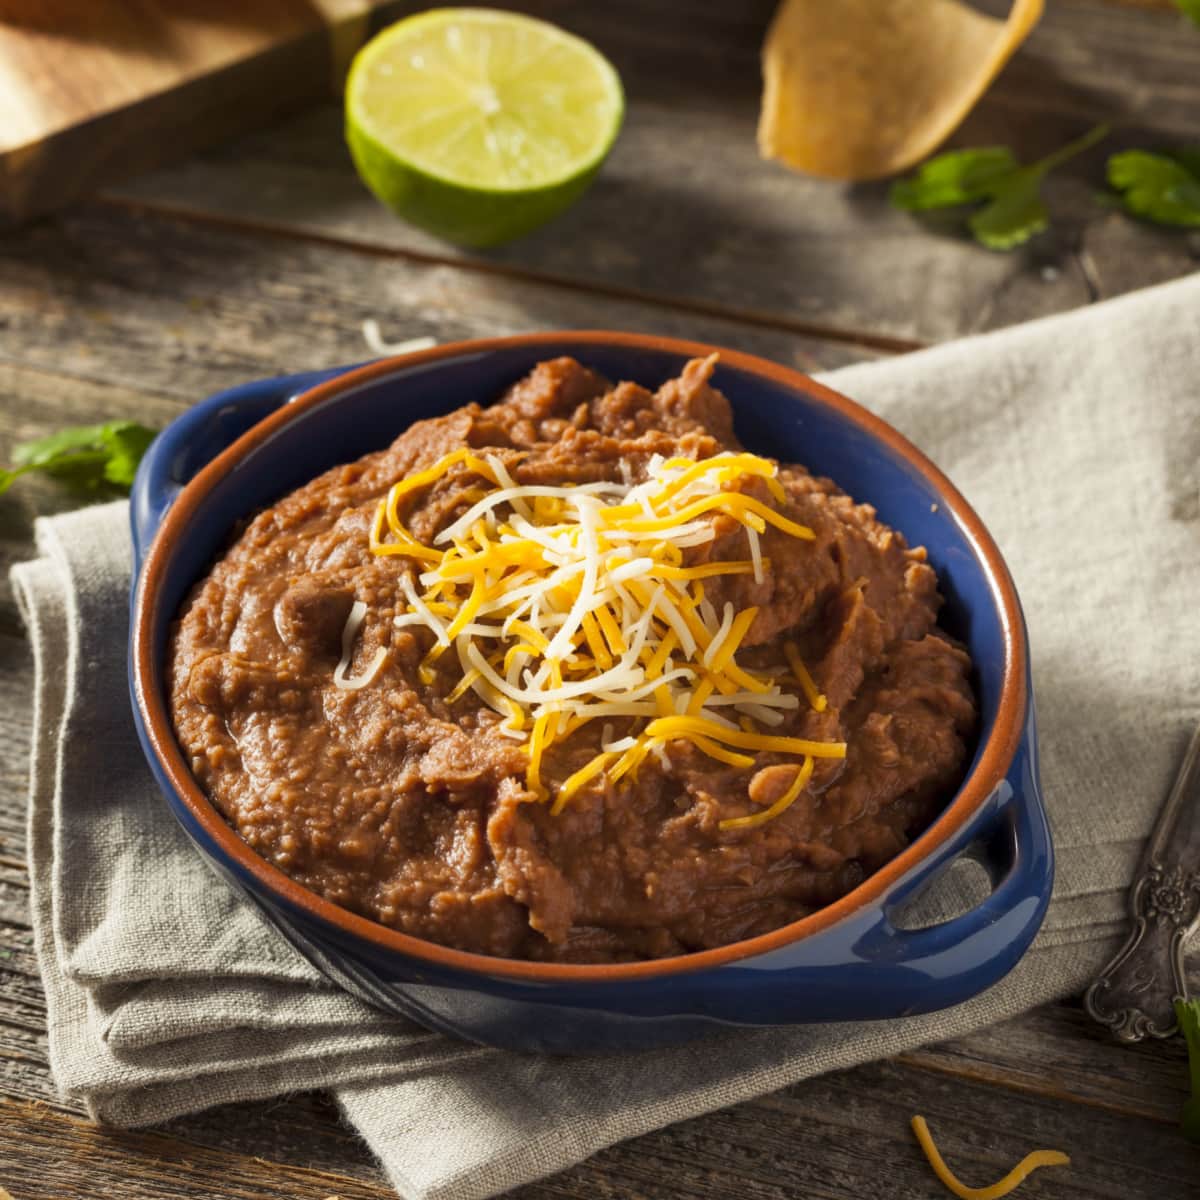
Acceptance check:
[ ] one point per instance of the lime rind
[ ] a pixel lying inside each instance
(480, 125)
(468, 217)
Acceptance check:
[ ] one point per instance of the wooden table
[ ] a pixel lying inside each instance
(267, 255)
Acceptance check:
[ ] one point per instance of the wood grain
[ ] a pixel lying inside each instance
(266, 256)
(157, 304)
(686, 215)
(89, 89)
(831, 1137)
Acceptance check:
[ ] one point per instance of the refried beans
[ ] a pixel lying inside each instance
(397, 792)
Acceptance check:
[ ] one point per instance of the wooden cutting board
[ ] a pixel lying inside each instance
(91, 89)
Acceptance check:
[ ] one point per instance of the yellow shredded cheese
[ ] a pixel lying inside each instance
(667, 727)
(803, 678)
(1031, 1162)
(803, 775)
(573, 783)
(720, 753)
(569, 604)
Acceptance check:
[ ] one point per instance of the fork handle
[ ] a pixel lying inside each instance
(1133, 995)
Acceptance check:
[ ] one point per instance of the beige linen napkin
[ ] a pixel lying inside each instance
(1076, 437)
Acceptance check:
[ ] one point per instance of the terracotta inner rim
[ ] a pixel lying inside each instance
(994, 759)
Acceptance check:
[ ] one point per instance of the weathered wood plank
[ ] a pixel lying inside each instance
(17, 958)
(14, 902)
(46, 1149)
(686, 214)
(16, 683)
(137, 84)
(861, 1118)
(833, 1137)
(19, 985)
(1042, 1056)
(24, 1072)
(116, 314)
(164, 307)
(1059, 1052)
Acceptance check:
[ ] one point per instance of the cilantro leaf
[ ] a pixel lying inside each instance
(1188, 157)
(958, 177)
(1189, 8)
(127, 442)
(1163, 188)
(1187, 1013)
(1014, 214)
(990, 175)
(84, 456)
(9, 476)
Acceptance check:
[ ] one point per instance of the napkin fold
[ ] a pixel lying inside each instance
(1077, 438)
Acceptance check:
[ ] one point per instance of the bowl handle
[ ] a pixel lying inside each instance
(956, 959)
(1014, 848)
(867, 967)
(194, 439)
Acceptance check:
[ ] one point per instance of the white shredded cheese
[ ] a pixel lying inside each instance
(352, 683)
(568, 604)
(755, 553)
(719, 637)
(375, 343)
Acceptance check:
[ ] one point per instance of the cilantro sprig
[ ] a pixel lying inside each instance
(1187, 1013)
(86, 457)
(1163, 188)
(1010, 194)
(1189, 8)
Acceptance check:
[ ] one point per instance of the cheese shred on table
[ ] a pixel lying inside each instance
(564, 605)
(1031, 1162)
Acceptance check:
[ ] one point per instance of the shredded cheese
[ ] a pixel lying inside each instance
(373, 336)
(358, 610)
(803, 678)
(1031, 1162)
(667, 727)
(569, 604)
(803, 775)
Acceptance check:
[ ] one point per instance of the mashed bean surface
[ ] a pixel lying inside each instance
(413, 811)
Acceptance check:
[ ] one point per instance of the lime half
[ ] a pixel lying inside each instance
(480, 125)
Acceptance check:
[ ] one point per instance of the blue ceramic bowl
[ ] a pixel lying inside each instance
(240, 450)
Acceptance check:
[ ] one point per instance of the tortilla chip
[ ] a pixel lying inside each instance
(859, 89)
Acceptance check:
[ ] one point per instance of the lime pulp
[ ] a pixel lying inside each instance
(480, 125)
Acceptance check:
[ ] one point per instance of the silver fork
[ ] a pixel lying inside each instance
(1133, 995)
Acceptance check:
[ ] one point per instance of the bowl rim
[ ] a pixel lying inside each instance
(990, 767)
